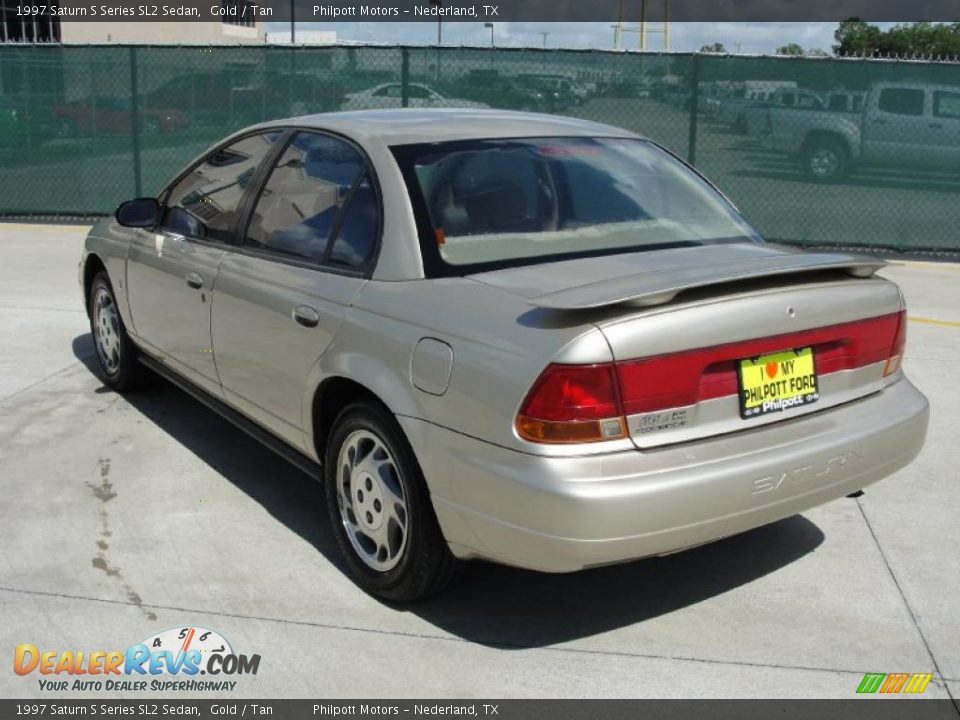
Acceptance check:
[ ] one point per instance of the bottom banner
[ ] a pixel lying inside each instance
(876, 709)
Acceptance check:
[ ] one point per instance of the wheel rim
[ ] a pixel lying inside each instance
(106, 330)
(372, 501)
(824, 162)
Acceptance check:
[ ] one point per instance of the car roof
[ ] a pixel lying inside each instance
(415, 125)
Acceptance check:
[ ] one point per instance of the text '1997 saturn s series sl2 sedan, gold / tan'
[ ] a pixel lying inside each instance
(530, 339)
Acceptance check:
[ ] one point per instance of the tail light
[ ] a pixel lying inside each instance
(899, 343)
(589, 403)
(573, 403)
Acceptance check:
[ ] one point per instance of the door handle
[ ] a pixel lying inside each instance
(194, 281)
(306, 316)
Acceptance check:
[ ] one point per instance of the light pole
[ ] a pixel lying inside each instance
(439, 5)
(490, 25)
(544, 36)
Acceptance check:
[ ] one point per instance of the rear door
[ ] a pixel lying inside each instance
(171, 270)
(281, 297)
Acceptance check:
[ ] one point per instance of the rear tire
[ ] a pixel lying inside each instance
(116, 353)
(380, 509)
(825, 160)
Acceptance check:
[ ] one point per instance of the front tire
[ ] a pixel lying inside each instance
(116, 353)
(380, 509)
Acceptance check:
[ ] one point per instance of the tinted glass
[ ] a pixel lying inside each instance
(496, 201)
(946, 104)
(901, 101)
(299, 205)
(205, 204)
(357, 235)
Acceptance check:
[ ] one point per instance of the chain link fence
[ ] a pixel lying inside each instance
(847, 152)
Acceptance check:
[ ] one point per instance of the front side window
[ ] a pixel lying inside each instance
(319, 186)
(901, 101)
(206, 202)
(520, 201)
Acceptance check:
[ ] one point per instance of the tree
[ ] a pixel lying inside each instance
(791, 49)
(716, 48)
(855, 37)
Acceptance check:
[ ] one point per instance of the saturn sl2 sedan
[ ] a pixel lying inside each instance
(529, 339)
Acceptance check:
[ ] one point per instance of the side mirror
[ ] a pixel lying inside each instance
(139, 213)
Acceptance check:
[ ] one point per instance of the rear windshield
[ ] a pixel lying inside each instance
(496, 203)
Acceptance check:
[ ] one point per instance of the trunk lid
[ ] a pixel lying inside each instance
(657, 277)
(679, 322)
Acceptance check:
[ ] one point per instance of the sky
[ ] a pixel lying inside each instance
(750, 38)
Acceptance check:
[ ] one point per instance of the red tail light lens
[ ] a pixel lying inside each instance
(586, 403)
(573, 392)
(573, 403)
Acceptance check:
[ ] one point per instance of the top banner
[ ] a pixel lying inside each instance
(243, 12)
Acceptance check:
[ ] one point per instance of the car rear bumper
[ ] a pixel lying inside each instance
(564, 514)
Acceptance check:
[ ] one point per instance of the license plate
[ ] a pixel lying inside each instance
(777, 382)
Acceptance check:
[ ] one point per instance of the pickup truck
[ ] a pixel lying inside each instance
(900, 125)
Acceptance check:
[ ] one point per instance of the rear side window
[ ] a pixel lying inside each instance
(205, 203)
(901, 101)
(309, 197)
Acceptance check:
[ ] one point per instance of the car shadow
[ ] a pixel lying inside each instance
(489, 604)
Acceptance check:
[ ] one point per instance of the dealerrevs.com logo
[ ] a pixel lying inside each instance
(172, 660)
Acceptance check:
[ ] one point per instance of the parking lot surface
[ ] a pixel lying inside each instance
(125, 516)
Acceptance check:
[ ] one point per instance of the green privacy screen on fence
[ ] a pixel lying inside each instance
(817, 151)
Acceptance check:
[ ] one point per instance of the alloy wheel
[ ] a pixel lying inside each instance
(372, 500)
(106, 330)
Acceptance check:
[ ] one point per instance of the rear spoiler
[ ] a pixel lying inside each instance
(656, 288)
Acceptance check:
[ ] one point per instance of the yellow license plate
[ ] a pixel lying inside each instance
(777, 382)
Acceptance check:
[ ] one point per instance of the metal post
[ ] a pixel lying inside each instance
(293, 25)
(405, 77)
(694, 97)
(135, 123)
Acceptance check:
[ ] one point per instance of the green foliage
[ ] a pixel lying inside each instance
(856, 37)
(791, 49)
(716, 48)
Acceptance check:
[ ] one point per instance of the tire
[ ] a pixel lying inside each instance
(394, 550)
(825, 160)
(116, 353)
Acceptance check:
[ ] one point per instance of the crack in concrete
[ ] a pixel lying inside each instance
(853, 673)
(913, 616)
(42, 380)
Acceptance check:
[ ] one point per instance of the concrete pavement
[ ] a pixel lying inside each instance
(124, 516)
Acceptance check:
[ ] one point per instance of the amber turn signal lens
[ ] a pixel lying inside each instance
(552, 431)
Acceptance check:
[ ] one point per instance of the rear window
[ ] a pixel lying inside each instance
(496, 203)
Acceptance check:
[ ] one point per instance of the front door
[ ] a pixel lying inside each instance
(171, 270)
(895, 130)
